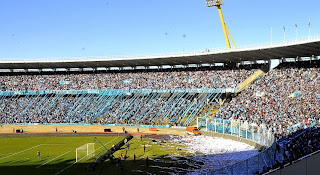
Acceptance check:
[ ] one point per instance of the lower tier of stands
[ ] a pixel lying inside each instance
(133, 107)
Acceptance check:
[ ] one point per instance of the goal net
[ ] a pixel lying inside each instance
(85, 152)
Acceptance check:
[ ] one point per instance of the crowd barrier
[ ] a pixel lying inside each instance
(89, 124)
(137, 125)
(77, 124)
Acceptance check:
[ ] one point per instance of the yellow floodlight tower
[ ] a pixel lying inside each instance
(226, 32)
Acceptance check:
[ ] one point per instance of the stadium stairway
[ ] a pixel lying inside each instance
(213, 109)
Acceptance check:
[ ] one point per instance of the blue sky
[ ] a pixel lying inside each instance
(81, 28)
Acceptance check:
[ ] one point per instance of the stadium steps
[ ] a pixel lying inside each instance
(160, 121)
(184, 120)
(246, 83)
(180, 119)
(212, 109)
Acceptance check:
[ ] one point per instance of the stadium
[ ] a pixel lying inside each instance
(239, 110)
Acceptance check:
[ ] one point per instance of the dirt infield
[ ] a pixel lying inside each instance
(93, 129)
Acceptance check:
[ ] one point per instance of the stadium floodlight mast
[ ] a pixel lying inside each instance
(296, 31)
(284, 34)
(226, 32)
(309, 29)
(271, 36)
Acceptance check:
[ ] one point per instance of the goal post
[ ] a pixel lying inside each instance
(85, 151)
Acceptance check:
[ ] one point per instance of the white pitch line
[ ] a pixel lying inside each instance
(20, 152)
(12, 154)
(53, 144)
(53, 159)
(6, 154)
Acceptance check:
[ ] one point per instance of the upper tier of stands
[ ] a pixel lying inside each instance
(127, 80)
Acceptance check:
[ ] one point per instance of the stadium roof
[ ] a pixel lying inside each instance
(301, 48)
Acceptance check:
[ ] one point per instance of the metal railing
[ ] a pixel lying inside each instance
(260, 135)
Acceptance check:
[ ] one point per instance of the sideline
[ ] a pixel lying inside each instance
(84, 157)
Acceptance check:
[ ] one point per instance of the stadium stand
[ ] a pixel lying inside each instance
(92, 106)
(285, 99)
(291, 88)
(128, 80)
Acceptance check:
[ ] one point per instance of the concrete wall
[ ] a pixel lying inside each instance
(307, 166)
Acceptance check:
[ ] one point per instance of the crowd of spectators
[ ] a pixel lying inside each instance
(127, 80)
(155, 108)
(42, 110)
(285, 99)
(142, 110)
(155, 111)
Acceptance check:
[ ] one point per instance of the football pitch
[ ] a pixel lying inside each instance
(18, 155)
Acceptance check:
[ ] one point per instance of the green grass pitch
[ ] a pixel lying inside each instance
(18, 155)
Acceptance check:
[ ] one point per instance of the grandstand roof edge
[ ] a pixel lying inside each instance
(298, 48)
